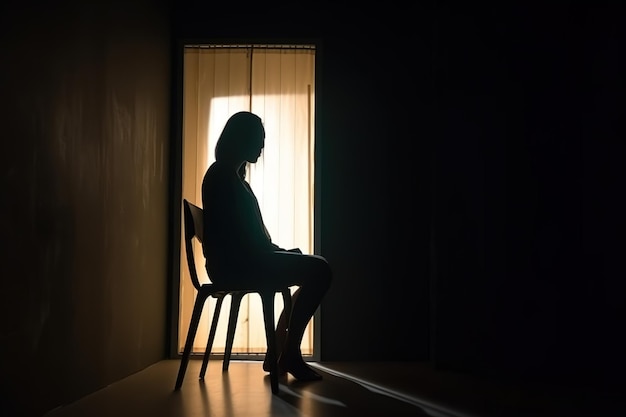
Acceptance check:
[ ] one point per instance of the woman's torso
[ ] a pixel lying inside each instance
(234, 233)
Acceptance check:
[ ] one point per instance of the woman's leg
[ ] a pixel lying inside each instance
(281, 332)
(313, 276)
(312, 289)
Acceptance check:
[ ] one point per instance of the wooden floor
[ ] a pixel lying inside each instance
(348, 389)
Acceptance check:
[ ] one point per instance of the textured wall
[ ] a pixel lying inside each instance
(85, 133)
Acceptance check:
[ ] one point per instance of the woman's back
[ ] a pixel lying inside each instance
(233, 226)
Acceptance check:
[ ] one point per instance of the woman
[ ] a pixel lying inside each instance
(239, 249)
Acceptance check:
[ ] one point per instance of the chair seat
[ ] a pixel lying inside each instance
(225, 289)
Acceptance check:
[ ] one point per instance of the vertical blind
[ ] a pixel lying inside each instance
(277, 83)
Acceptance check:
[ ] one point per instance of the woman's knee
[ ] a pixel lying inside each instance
(323, 271)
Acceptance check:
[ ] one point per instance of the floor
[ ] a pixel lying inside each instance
(394, 389)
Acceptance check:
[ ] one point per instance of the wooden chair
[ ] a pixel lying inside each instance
(193, 224)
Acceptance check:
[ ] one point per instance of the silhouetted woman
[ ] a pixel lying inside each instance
(238, 247)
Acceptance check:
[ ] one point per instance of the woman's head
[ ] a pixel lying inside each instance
(242, 138)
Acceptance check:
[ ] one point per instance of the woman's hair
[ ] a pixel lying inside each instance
(239, 130)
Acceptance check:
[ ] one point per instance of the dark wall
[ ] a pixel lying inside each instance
(84, 121)
(528, 221)
(372, 162)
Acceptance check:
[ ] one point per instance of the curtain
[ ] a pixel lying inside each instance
(276, 83)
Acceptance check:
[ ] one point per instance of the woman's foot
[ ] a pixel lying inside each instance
(266, 367)
(298, 368)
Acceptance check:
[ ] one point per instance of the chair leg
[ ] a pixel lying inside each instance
(270, 335)
(209, 343)
(235, 303)
(191, 334)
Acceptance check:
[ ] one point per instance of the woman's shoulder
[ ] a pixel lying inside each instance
(216, 172)
(217, 179)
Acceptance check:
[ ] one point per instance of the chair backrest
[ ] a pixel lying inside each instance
(193, 220)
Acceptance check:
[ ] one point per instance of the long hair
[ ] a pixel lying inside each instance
(237, 132)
